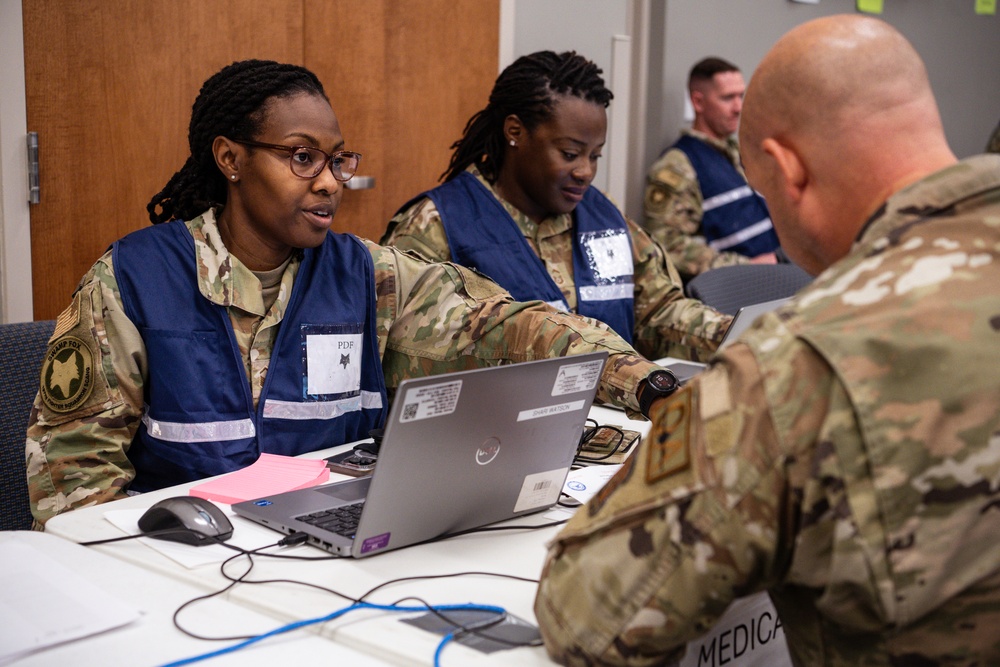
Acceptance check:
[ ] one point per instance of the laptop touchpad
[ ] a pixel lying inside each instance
(355, 489)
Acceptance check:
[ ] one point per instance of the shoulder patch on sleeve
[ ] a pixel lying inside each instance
(477, 285)
(670, 178)
(669, 448)
(71, 383)
(67, 378)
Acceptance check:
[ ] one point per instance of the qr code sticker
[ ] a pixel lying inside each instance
(410, 410)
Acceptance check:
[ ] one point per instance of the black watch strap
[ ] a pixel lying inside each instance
(658, 384)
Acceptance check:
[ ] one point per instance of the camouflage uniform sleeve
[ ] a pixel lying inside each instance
(419, 229)
(672, 216)
(438, 317)
(666, 322)
(702, 513)
(89, 402)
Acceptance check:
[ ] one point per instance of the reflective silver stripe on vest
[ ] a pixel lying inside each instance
(753, 230)
(236, 429)
(606, 292)
(322, 409)
(728, 197)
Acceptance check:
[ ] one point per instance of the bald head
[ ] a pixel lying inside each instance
(843, 108)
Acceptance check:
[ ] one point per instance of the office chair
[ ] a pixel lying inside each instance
(729, 288)
(23, 346)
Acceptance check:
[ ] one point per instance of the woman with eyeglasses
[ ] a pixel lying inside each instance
(517, 205)
(239, 323)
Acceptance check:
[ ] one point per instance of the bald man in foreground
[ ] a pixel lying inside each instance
(845, 455)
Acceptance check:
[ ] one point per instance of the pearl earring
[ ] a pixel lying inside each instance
(513, 143)
(233, 177)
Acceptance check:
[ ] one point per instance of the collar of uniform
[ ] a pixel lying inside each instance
(728, 146)
(552, 226)
(936, 192)
(222, 278)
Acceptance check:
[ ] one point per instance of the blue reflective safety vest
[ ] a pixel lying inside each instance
(483, 236)
(734, 217)
(199, 418)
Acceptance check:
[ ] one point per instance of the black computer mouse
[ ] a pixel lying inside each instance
(198, 521)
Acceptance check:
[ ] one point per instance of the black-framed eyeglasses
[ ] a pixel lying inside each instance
(308, 162)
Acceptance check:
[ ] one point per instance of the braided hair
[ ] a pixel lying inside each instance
(231, 103)
(526, 89)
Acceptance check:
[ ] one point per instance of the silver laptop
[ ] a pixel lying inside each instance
(460, 451)
(744, 317)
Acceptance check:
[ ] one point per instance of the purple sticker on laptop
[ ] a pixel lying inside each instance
(375, 543)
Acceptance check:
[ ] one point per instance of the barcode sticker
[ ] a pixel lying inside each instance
(577, 377)
(540, 490)
(431, 401)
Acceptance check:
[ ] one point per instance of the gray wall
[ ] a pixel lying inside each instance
(961, 50)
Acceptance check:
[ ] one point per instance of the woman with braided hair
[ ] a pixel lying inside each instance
(517, 205)
(239, 323)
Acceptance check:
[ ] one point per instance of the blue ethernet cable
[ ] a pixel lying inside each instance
(295, 625)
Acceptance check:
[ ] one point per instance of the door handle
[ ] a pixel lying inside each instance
(360, 183)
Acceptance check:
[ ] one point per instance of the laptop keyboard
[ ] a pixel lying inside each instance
(342, 520)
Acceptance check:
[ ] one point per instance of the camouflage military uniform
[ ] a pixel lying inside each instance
(846, 458)
(666, 323)
(431, 318)
(672, 209)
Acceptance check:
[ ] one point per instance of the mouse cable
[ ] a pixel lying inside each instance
(295, 625)
(152, 533)
(461, 630)
(256, 552)
(249, 554)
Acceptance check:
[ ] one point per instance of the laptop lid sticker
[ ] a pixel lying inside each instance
(434, 400)
(540, 490)
(375, 543)
(549, 410)
(573, 378)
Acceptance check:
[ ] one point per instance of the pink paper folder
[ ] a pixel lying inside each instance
(268, 475)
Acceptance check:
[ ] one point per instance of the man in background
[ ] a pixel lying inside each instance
(698, 205)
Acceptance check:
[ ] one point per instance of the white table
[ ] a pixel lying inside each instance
(376, 633)
(379, 634)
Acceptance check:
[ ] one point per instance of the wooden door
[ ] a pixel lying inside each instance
(403, 92)
(110, 88)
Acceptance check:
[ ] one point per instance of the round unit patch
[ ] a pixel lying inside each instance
(67, 375)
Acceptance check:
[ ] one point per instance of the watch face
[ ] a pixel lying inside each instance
(662, 380)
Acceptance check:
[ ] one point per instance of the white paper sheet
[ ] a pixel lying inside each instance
(45, 603)
(583, 483)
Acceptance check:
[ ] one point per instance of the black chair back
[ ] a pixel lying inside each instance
(729, 288)
(22, 346)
